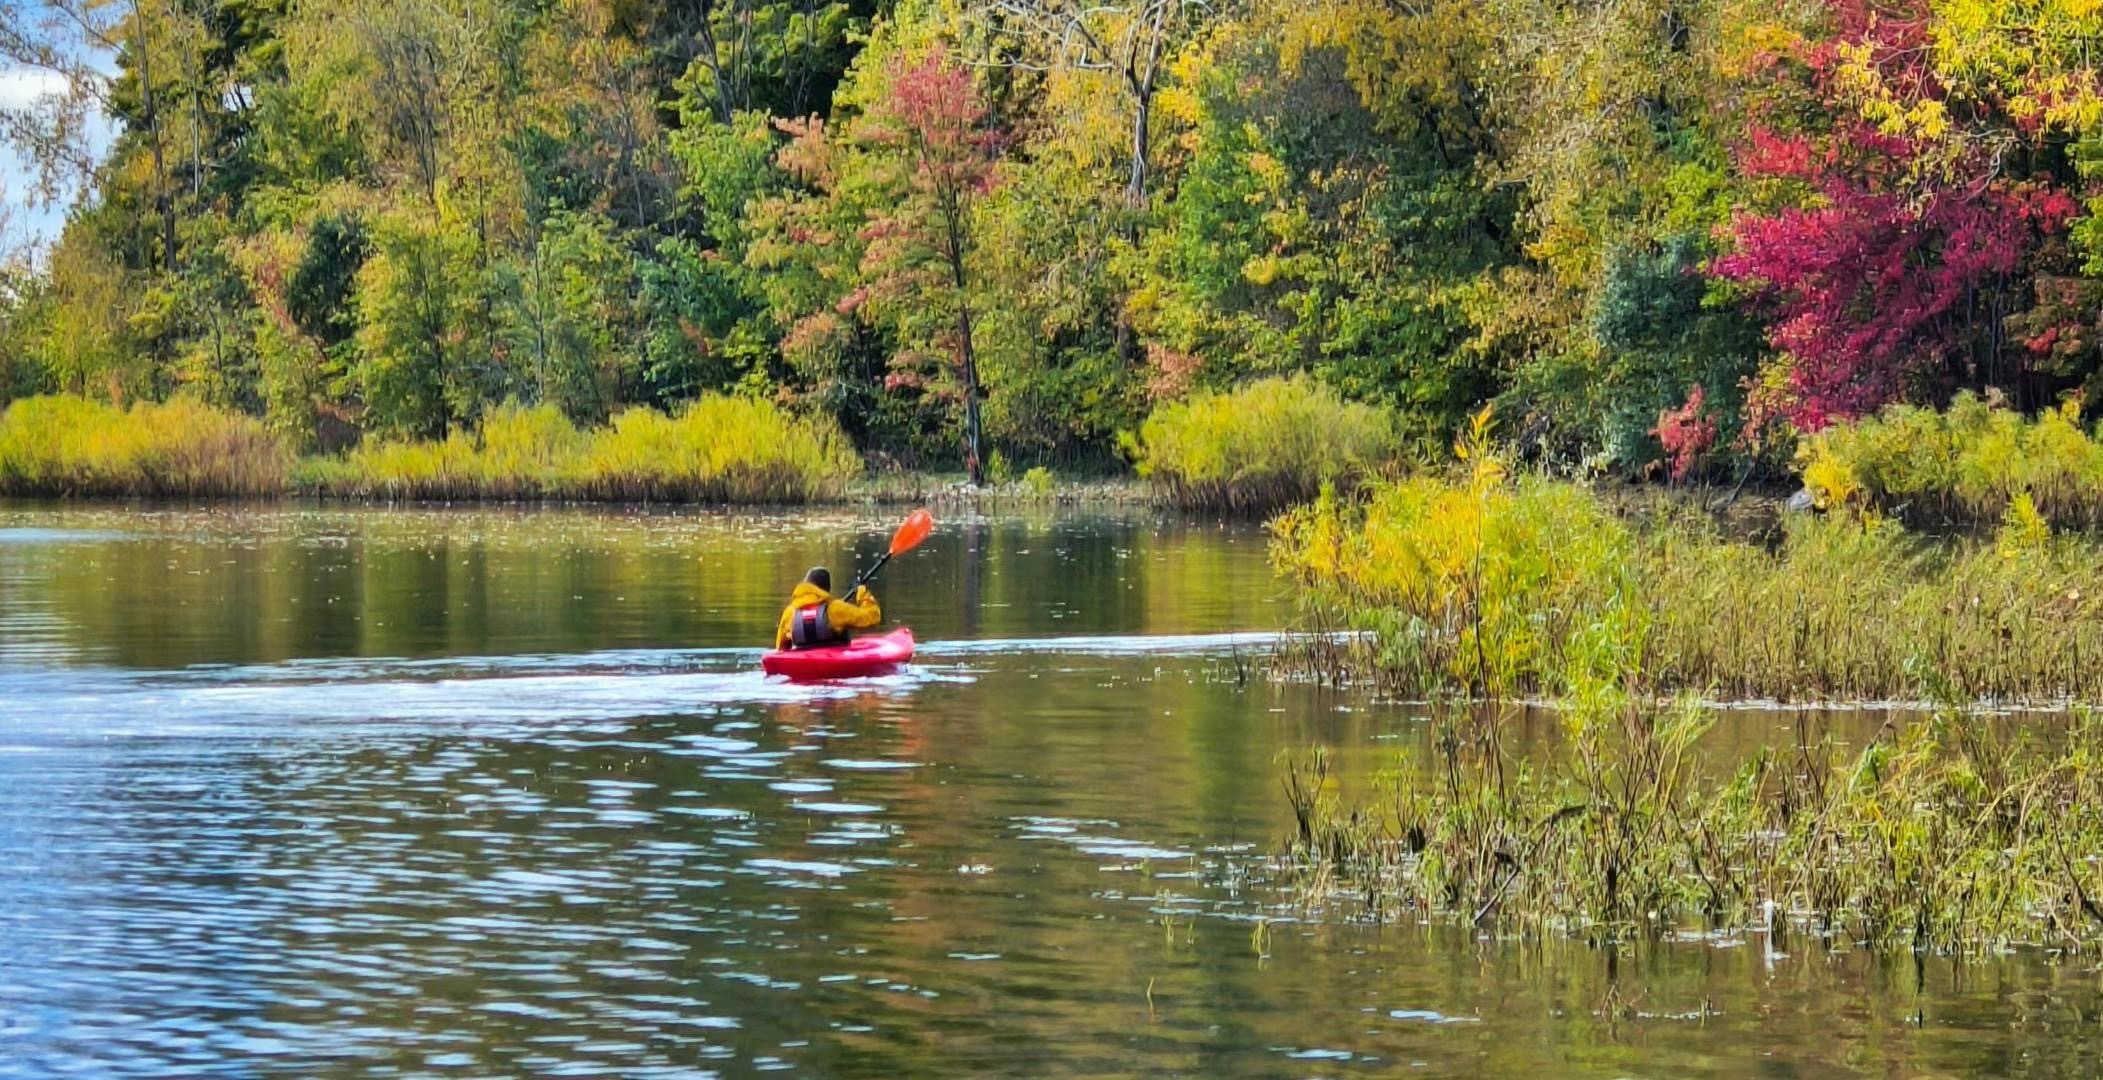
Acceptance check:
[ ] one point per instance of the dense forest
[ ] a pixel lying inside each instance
(1660, 235)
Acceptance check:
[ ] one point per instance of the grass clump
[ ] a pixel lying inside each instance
(1264, 446)
(1486, 588)
(1962, 465)
(1493, 586)
(1952, 834)
(717, 449)
(65, 445)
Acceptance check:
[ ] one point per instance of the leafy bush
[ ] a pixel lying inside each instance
(718, 449)
(1488, 587)
(1267, 445)
(1966, 464)
(65, 445)
(1515, 588)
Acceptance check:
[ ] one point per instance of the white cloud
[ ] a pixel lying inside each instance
(20, 86)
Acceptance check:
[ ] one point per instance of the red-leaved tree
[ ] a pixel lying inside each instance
(1686, 433)
(933, 157)
(1908, 241)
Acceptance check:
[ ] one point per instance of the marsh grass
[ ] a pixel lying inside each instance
(1498, 587)
(65, 446)
(1951, 834)
(1264, 446)
(718, 449)
(1963, 465)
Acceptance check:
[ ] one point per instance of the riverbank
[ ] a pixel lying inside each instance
(718, 450)
(1951, 829)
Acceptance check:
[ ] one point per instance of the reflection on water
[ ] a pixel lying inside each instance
(364, 793)
(168, 589)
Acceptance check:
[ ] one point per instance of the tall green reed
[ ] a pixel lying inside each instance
(64, 445)
(1955, 833)
(1528, 586)
(717, 449)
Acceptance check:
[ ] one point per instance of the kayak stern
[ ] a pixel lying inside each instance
(881, 654)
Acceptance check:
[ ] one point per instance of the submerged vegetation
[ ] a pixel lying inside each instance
(1955, 833)
(1265, 446)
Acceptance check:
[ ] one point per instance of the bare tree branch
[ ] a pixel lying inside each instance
(1129, 37)
(54, 132)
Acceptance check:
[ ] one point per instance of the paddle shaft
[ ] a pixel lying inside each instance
(868, 574)
(908, 537)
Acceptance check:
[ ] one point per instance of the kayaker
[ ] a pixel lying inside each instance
(816, 617)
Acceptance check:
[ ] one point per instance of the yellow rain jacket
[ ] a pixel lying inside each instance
(859, 613)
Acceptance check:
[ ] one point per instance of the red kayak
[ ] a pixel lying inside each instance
(862, 657)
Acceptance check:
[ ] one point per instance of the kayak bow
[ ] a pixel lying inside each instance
(881, 654)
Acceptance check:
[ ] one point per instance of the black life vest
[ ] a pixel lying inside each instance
(809, 627)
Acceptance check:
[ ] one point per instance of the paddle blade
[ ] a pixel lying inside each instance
(909, 535)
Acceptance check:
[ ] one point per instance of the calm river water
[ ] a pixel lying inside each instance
(380, 793)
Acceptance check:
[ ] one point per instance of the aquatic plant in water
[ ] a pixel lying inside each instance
(1956, 833)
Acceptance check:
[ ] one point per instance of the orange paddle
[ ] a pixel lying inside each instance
(909, 535)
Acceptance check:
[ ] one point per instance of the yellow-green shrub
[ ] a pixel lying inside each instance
(1489, 586)
(1266, 445)
(65, 445)
(1965, 464)
(718, 449)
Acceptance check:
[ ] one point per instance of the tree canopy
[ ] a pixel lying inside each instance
(1654, 232)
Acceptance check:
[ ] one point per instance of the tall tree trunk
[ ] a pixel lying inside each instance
(954, 227)
(162, 198)
(433, 426)
(968, 360)
(1142, 120)
(539, 309)
(1127, 341)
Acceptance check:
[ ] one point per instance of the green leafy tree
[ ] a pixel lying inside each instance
(771, 56)
(703, 325)
(86, 345)
(930, 149)
(1329, 222)
(417, 300)
(566, 318)
(1049, 246)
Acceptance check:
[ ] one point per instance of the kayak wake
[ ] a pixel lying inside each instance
(68, 704)
(1112, 645)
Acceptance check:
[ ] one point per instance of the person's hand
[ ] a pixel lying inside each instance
(862, 595)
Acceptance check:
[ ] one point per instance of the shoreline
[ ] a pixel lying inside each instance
(1751, 507)
(922, 489)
